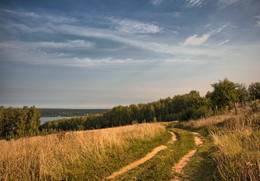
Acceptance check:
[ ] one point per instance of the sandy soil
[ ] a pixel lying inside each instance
(177, 168)
(197, 139)
(138, 162)
(186, 158)
(142, 160)
(183, 162)
(173, 138)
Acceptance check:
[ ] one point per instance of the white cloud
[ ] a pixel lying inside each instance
(131, 26)
(223, 42)
(51, 45)
(20, 13)
(43, 17)
(226, 3)
(156, 2)
(66, 44)
(195, 3)
(218, 30)
(27, 51)
(194, 40)
(89, 62)
(257, 21)
(133, 41)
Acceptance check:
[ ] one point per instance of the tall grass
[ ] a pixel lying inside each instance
(73, 155)
(206, 122)
(238, 143)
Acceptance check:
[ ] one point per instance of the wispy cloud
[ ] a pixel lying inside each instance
(156, 2)
(43, 17)
(158, 47)
(49, 45)
(66, 44)
(226, 3)
(223, 42)
(131, 26)
(27, 51)
(89, 62)
(257, 21)
(195, 3)
(194, 40)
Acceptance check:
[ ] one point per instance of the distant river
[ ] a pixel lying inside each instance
(45, 119)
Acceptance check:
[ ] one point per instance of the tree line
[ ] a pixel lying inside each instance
(226, 95)
(16, 123)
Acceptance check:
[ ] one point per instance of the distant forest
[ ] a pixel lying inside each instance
(45, 112)
(226, 95)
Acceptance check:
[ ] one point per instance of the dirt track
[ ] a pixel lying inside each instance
(138, 162)
(142, 160)
(178, 168)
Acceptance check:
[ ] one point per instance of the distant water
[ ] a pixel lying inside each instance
(45, 119)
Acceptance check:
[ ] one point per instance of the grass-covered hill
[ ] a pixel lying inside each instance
(230, 151)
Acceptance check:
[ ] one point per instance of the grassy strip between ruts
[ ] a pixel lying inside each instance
(160, 166)
(202, 166)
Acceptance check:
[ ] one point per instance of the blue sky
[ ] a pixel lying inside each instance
(103, 53)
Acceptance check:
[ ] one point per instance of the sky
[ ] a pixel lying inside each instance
(104, 53)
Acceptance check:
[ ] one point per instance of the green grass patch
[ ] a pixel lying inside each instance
(201, 166)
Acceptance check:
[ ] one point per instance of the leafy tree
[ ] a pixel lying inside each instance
(242, 92)
(254, 90)
(224, 94)
(16, 123)
(1, 121)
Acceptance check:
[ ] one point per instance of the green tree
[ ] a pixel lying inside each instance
(242, 92)
(225, 94)
(1, 121)
(254, 90)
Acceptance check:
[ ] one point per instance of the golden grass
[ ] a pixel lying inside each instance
(51, 157)
(207, 122)
(238, 154)
(237, 138)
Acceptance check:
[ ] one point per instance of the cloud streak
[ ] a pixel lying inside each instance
(226, 3)
(194, 40)
(257, 21)
(131, 26)
(195, 3)
(223, 42)
(156, 2)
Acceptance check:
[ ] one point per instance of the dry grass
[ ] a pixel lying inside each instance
(237, 138)
(238, 143)
(52, 157)
(207, 122)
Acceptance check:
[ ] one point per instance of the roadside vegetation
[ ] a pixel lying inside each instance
(232, 146)
(82, 155)
(227, 119)
(226, 95)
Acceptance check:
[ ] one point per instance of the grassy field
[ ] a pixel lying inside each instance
(82, 155)
(232, 147)
(231, 151)
(160, 167)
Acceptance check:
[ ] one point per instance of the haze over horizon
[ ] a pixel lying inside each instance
(99, 54)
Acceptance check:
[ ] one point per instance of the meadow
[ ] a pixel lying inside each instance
(230, 151)
(81, 155)
(234, 146)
